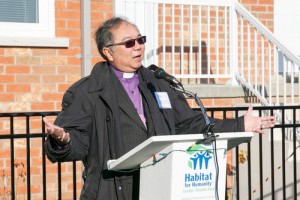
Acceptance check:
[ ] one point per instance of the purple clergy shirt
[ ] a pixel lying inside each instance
(130, 83)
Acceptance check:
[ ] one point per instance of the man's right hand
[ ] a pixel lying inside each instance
(57, 132)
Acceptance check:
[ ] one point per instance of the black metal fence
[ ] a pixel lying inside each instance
(266, 168)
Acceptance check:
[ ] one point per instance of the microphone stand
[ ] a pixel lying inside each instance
(207, 132)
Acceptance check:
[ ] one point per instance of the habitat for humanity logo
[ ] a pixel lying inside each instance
(201, 176)
(200, 157)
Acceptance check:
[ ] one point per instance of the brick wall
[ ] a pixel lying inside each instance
(262, 9)
(34, 79)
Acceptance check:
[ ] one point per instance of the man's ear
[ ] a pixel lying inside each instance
(108, 53)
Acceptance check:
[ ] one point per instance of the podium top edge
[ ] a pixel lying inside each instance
(156, 143)
(199, 136)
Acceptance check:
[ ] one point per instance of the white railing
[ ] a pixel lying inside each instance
(275, 67)
(215, 41)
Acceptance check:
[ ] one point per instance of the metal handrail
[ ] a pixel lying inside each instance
(266, 32)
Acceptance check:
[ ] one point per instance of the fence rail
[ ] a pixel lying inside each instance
(266, 167)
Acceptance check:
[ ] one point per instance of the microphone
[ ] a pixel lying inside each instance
(152, 67)
(160, 73)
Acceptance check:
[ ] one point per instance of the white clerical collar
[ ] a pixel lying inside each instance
(121, 74)
(128, 74)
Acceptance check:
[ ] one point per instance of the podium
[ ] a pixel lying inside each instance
(181, 167)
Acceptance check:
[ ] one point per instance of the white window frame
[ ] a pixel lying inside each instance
(40, 34)
(45, 27)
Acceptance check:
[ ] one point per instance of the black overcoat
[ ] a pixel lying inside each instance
(91, 114)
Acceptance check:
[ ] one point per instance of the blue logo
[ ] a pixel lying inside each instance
(200, 157)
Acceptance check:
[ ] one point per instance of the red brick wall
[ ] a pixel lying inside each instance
(34, 79)
(262, 9)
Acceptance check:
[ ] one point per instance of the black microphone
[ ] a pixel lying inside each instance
(152, 67)
(161, 74)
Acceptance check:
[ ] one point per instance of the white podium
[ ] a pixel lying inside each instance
(181, 167)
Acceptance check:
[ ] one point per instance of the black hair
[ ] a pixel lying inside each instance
(103, 35)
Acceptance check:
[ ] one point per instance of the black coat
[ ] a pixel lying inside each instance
(91, 113)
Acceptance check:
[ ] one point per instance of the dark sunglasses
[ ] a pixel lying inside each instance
(130, 43)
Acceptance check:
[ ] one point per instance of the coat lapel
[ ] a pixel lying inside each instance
(159, 116)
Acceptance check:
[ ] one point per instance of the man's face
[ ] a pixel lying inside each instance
(126, 59)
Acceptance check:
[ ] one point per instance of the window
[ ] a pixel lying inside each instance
(27, 18)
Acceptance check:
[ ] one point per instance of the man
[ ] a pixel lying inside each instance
(114, 109)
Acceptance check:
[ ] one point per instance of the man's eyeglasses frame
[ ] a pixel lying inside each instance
(130, 43)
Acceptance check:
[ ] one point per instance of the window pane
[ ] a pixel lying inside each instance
(40, 24)
(25, 11)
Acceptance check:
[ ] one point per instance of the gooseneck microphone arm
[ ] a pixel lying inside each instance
(209, 125)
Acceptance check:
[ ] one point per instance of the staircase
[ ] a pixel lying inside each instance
(216, 42)
(276, 69)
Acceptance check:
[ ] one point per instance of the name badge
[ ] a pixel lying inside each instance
(163, 100)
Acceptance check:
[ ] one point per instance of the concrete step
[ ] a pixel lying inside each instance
(215, 91)
(227, 91)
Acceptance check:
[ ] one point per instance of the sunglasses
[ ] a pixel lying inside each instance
(130, 43)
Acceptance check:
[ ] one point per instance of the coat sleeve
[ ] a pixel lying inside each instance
(76, 119)
(191, 121)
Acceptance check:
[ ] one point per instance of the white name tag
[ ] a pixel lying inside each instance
(163, 100)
